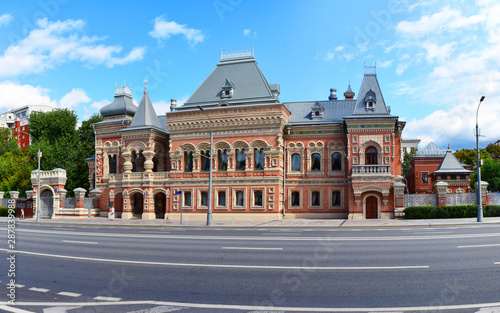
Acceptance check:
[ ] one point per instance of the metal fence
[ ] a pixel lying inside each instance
(420, 200)
(88, 203)
(68, 203)
(493, 198)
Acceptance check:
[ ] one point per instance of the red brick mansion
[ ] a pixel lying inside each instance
(332, 158)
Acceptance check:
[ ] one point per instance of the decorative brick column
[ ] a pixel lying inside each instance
(62, 196)
(79, 198)
(127, 210)
(1, 195)
(484, 191)
(148, 205)
(399, 195)
(441, 188)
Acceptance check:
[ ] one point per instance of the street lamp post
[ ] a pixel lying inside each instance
(479, 200)
(39, 154)
(209, 211)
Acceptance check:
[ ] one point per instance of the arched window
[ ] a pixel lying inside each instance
(258, 156)
(112, 164)
(240, 160)
(222, 160)
(188, 161)
(315, 198)
(295, 198)
(296, 162)
(336, 162)
(240, 198)
(133, 159)
(205, 160)
(371, 156)
(315, 162)
(221, 198)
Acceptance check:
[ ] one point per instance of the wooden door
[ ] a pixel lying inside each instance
(371, 207)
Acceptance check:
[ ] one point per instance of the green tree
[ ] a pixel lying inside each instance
(406, 165)
(494, 150)
(7, 142)
(490, 173)
(15, 172)
(53, 125)
(469, 156)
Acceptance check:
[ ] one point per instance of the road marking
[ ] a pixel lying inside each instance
(107, 298)
(266, 238)
(82, 242)
(437, 232)
(249, 248)
(60, 309)
(69, 294)
(310, 268)
(39, 289)
(160, 309)
(19, 286)
(497, 263)
(14, 310)
(480, 246)
(456, 308)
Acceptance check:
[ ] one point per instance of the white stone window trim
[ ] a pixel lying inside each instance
(310, 192)
(252, 198)
(183, 198)
(301, 199)
(216, 198)
(237, 207)
(330, 198)
(321, 151)
(198, 199)
(331, 151)
(290, 152)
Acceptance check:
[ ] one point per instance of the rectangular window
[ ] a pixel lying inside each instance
(205, 160)
(240, 160)
(295, 198)
(240, 198)
(222, 198)
(315, 162)
(204, 198)
(187, 198)
(188, 161)
(336, 162)
(354, 138)
(258, 159)
(336, 198)
(257, 198)
(387, 138)
(295, 162)
(425, 178)
(315, 198)
(222, 160)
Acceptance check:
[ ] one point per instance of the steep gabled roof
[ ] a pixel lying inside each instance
(242, 74)
(145, 117)
(370, 88)
(451, 165)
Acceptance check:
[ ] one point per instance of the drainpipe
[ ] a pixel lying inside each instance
(288, 127)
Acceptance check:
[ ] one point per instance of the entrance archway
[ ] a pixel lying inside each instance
(137, 203)
(46, 204)
(160, 205)
(371, 207)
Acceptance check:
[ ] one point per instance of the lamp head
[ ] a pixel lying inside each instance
(482, 98)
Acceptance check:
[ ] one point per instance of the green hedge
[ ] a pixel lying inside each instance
(455, 211)
(4, 211)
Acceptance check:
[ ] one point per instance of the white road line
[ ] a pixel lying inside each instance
(19, 286)
(69, 294)
(249, 248)
(479, 246)
(82, 242)
(107, 298)
(497, 263)
(14, 310)
(310, 268)
(456, 308)
(39, 289)
(437, 232)
(266, 238)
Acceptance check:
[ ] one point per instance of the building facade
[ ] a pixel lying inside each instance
(330, 158)
(17, 121)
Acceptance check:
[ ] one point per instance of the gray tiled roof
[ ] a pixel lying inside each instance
(121, 105)
(335, 111)
(450, 164)
(145, 117)
(163, 121)
(370, 83)
(250, 85)
(431, 150)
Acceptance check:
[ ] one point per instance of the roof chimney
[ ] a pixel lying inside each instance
(173, 105)
(333, 94)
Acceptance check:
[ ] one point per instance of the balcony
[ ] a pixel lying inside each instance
(371, 169)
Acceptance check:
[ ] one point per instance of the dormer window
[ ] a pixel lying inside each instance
(370, 100)
(317, 112)
(227, 89)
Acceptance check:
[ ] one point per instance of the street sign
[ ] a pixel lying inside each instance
(178, 192)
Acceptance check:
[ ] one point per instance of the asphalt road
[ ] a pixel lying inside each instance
(163, 269)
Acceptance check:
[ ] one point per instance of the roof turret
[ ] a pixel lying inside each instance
(121, 105)
(145, 115)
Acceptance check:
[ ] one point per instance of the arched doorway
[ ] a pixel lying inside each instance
(46, 204)
(371, 207)
(137, 203)
(160, 205)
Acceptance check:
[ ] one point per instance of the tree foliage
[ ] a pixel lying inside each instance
(469, 156)
(494, 150)
(406, 165)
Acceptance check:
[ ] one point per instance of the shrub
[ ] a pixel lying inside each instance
(455, 211)
(4, 211)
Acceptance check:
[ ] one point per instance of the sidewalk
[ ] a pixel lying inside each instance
(264, 223)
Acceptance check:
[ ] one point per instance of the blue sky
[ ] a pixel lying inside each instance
(435, 59)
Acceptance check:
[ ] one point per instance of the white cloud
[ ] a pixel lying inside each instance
(164, 29)
(74, 98)
(15, 95)
(5, 19)
(54, 43)
(246, 32)
(99, 104)
(385, 64)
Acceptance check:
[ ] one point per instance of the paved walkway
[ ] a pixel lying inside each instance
(266, 223)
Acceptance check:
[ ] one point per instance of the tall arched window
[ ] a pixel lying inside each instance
(258, 156)
(112, 164)
(133, 159)
(188, 161)
(336, 162)
(240, 159)
(371, 156)
(205, 160)
(296, 162)
(315, 162)
(222, 160)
